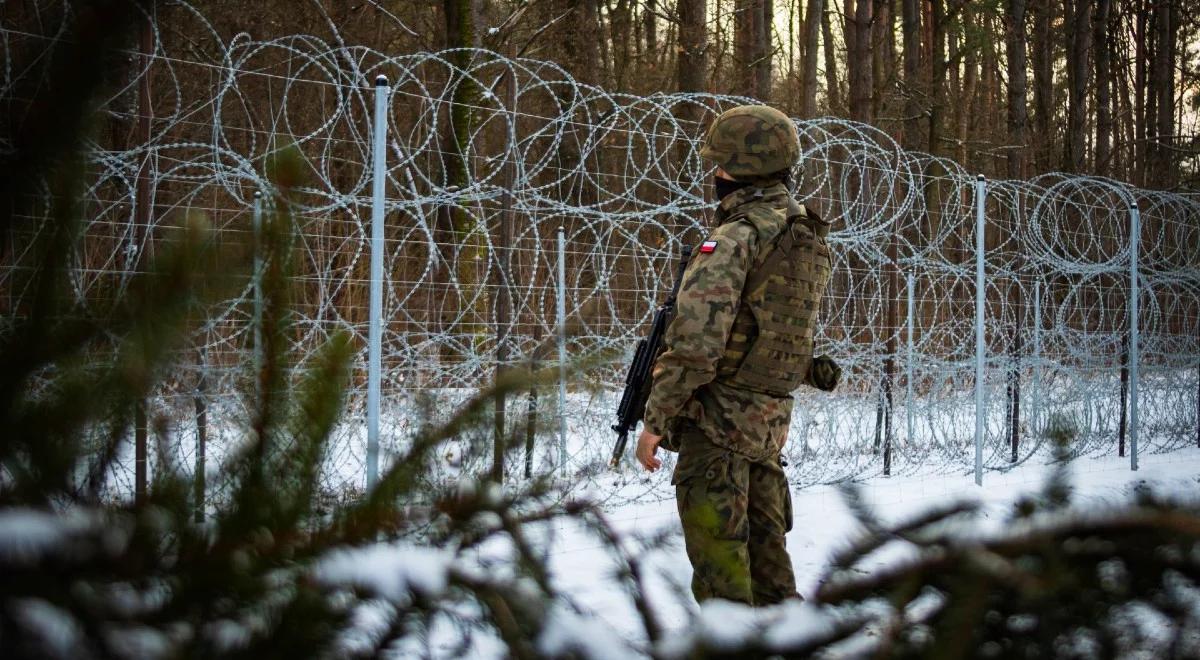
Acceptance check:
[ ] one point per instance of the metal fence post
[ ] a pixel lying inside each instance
(1135, 222)
(980, 295)
(1036, 395)
(908, 378)
(562, 347)
(375, 331)
(201, 411)
(257, 284)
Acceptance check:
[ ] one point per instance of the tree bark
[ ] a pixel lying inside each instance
(1104, 82)
(1076, 21)
(1043, 80)
(1125, 134)
(937, 72)
(1164, 91)
(1141, 50)
(853, 58)
(650, 30)
(461, 19)
(1017, 97)
(763, 67)
(858, 57)
(620, 26)
(831, 73)
(693, 46)
(967, 100)
(910, 25)
(751, 60)
(812, 31)
(883, 54)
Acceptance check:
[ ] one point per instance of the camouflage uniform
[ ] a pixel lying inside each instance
(730, 423)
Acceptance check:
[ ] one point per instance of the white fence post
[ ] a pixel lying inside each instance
(1135, 228)
(375, 330)
(980, 295)
(257, 286)
(562, 347)
(1036, 395)
(908, 379)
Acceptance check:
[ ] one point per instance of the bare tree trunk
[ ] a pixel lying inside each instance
(1164, 90)
(858, 58)
(650, 30)
(812, 31)
(795, 9)
(883, 54)
(1104, 84)
(750, 49)
(744, 46)
(831, 75)
(766, 54)
(501, 278)
(968, 102)
(1043, 80)
(1141, 50)
(691, 67)
(1076, 20)
(910, 25)
(620, 26)
(143, 213)
(1125, 134)
(693, 46)
(937, 71)
(853, 58)
(461, 19)
(583, 45)
(1017, 115)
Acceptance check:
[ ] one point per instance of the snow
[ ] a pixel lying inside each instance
(597, 619)
(26, 534)
(59, 632)
(600, 621)
(393, 571)
(568, 634)
(823, 525)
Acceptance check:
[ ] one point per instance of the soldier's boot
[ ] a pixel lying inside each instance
(769, 515)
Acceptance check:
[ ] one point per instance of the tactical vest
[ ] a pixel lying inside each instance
(770, 345)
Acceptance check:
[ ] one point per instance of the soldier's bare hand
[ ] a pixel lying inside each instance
(647, 447)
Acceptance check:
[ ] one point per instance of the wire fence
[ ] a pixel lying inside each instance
(486, 157)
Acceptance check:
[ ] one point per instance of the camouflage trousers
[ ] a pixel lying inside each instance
(735, 513)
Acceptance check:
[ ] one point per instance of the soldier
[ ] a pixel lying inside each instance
(740, 343)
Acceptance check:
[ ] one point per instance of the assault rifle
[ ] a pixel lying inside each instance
(639, 378)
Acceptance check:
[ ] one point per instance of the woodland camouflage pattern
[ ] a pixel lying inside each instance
(732, 494)
(751, 141)
(735, 514)
(694, 377)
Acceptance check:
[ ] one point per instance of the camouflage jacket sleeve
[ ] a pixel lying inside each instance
(704, 312)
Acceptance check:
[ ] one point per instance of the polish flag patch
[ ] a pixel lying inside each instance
(708, 247)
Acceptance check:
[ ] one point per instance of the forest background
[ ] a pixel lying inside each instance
(1005, 89)
(1009, 88)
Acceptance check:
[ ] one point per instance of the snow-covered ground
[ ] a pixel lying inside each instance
(582, 568)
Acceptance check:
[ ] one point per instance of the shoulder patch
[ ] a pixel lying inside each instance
(708, 247)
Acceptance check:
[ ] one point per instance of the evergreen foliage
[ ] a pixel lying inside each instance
(274, 575)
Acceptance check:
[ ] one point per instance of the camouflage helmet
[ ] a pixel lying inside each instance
(751, 141)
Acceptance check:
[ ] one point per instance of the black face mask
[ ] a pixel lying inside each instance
(726, 187)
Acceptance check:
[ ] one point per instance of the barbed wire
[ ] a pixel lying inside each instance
(533, 149)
